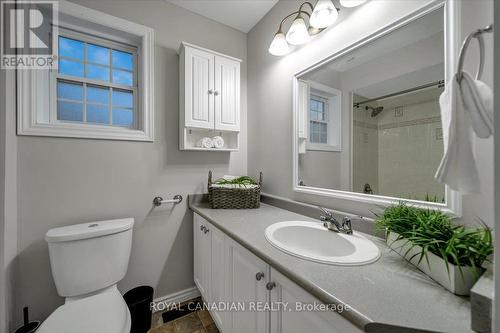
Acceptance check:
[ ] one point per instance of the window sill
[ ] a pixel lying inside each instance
(85, 132)
(323, 147)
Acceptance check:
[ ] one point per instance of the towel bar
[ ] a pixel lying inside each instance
(158, 201)
(478, 34)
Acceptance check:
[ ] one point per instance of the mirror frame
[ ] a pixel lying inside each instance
(453, 199)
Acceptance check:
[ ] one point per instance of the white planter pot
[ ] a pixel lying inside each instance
(436, 268)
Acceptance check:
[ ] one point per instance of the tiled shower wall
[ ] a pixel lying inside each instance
(404, 146)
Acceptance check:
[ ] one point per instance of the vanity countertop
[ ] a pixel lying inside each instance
(388, 292)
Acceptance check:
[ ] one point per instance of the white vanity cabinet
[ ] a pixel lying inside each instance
(209, 97)
(202, 258)
(246, 278)
(301, 320)
(227, 273)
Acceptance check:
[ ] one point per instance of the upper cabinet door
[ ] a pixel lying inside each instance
(198, 88)
(227, 94)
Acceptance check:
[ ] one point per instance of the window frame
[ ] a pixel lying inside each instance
(326, 93)
(55, 77)
(36, 88)
(326, 115)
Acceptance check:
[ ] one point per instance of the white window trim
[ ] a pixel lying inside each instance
(328, 90)
(34, 96)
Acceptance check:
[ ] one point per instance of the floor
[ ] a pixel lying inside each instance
(183, 321)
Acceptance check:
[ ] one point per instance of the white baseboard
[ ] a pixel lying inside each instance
(179, 296)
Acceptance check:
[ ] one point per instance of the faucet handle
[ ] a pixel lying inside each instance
(347, 225)
(326, 212)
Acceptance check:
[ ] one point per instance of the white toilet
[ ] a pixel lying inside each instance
(87, 261)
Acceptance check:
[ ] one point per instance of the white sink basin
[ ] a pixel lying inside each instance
(312, 241)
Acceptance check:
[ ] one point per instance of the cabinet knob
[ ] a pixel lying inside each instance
(259, 276)
(206, 230)
(216, 92)
(270, 285)
(202, 227)
(210, 91)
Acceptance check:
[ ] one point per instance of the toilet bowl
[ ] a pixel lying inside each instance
(87, 261)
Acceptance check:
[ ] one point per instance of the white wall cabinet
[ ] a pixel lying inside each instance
(209, 97)
(237, 276)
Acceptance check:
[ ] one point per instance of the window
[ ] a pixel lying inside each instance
(103, 87)
(324, 118)
(318, 119)
(96, 83)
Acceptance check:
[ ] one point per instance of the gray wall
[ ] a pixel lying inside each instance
(271, 109)
(67, 181)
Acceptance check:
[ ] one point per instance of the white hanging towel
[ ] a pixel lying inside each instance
(466, 108)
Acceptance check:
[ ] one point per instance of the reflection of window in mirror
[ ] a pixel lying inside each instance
(324, 117)
(318, 119)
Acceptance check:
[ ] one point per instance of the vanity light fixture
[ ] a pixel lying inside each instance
(322, 15)
(298, 34)
(351, 3)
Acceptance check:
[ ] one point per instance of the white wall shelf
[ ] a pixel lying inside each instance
(209, 98)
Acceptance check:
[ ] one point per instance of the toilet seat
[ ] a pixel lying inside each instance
(105, 312)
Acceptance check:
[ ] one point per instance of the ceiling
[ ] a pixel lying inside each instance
(239, 14)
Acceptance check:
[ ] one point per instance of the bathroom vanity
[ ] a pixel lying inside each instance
(234, 262)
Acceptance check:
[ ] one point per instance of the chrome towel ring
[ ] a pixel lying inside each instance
(478, 34)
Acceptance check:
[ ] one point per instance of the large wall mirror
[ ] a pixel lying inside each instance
(367, 120)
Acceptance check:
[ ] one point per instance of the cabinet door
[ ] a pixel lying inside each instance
(243, 287)
(202, 256)
(218, 276)
(299, 320)
(227, 94)
(198, 85)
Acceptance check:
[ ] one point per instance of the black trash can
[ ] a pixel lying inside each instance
(139, 303)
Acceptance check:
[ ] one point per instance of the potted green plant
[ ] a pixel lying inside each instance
(450, 254)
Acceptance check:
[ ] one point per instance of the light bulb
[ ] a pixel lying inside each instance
(279, 46)
(324, 14)
(297, 34)
(351, 3)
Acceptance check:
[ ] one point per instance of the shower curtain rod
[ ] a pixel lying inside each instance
(439, 83)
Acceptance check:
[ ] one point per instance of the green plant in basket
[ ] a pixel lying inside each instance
(433, 232)
(243, 181)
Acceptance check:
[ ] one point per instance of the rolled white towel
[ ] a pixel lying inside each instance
(205, 143)
(218, 142)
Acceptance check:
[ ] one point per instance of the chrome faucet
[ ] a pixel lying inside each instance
(331, 223)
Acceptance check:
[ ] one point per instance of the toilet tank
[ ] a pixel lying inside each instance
(90, 256)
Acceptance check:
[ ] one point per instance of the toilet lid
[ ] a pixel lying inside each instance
(105, 312)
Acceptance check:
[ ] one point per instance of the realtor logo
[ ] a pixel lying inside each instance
(28, 34)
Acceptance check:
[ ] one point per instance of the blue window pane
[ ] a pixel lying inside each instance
(97, 54)
(71, 48)
(123, 99)
(97, 114)
(71, 91)
(123, 117)
(98, 72)
(72, 68)
(122, 77)
(69, 111)
(97, 95)
(122, 60)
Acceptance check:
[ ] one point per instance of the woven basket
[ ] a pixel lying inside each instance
(233, 198)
